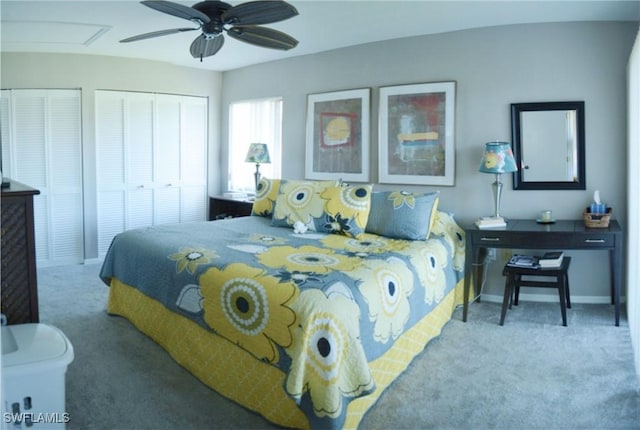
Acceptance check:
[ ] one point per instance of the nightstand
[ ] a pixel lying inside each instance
(226, 207)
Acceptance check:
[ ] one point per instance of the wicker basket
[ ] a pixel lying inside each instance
(597, 220)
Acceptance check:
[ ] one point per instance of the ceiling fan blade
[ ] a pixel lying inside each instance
(156, 34)
(259, 12)
(262, 36)
(177, 9)
(204, 46)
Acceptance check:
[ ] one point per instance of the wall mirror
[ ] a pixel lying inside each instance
(548, 145)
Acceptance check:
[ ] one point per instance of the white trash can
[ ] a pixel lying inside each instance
(35, 358)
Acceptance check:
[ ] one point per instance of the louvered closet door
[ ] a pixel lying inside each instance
(28, 158)
(180, 158)
(65, 177)
(167, 158)
(124, 159)
(193, 158)
(151, 158)
(44, 152)
(110, 165)
(138, 143)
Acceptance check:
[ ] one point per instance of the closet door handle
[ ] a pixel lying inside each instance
(141, 186)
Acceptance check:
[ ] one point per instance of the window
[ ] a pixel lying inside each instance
(253, 121)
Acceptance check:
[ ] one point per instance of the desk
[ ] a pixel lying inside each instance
(561, 235)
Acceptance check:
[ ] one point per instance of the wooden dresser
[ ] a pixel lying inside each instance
(18, 272)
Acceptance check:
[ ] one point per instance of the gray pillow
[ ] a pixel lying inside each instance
(402, 215)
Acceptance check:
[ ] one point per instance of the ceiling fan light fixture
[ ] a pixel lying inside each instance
(203, 46)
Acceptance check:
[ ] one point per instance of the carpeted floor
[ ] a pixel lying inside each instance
(532, 373)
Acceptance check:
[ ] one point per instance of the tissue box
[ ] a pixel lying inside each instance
(598, 208)
(596, 220)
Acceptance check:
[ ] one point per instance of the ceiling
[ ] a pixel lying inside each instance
(96, 26)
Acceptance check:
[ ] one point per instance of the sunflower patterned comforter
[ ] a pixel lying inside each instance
(315, 310)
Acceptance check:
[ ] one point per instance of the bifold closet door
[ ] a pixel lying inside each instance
(181, 154)
(124, 148)
(194, 199)
(167, 158)
(138, 149)
(42, 147)
(151, 161)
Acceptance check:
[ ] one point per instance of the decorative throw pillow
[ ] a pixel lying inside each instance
(402, 215)
(266, 196)
(323, 206)
(299, 201)
(347, 209)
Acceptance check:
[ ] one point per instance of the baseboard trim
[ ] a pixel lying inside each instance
(595, 300)
(93, 260)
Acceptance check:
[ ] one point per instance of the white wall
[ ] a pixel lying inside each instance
(633, 184)
(90, 73)
(493, 67)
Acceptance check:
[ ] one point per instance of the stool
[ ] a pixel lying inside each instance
(514, 281)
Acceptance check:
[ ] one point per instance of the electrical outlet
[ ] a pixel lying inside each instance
(491, 254)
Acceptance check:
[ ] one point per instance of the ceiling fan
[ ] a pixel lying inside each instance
(242, 22)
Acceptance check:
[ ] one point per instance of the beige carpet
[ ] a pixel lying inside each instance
(532, 373)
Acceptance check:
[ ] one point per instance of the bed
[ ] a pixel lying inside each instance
(302, 316)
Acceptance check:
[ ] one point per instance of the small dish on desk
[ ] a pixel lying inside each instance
(545, 221)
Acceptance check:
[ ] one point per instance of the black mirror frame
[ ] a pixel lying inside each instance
(518, 182)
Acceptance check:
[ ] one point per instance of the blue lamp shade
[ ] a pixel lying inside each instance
(258, 153)
(498, 158)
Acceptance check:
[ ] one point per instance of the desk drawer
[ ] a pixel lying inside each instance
(524, 240)
(594, 241)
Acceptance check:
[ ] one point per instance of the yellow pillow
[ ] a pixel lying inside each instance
(347, 209)
(299, 201)
(266, 195)
(323, 206)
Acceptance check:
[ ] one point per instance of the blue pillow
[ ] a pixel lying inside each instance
(402, 215)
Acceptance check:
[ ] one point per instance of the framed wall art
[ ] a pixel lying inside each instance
(416, 134)
(337, 144)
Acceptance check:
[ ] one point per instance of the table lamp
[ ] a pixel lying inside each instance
(258, 153)
(497, 159)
